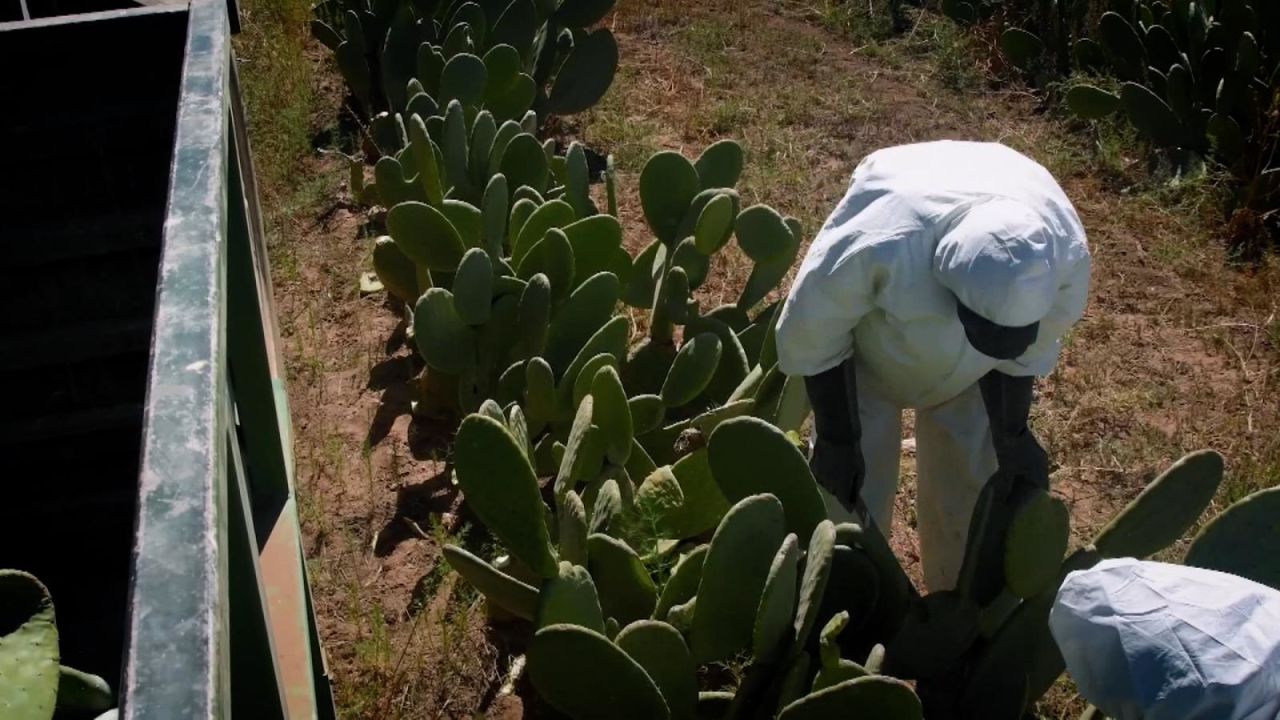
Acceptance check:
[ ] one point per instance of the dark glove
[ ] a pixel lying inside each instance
(836, 461)
(1018, 453)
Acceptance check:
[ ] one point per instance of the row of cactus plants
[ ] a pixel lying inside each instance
(638, 579)
(507, 56)
(1194, 78)
(33, 683)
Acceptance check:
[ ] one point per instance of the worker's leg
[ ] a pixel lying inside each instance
(881, 449)
(954, 460)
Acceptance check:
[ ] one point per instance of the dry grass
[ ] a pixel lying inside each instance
(1178, 350)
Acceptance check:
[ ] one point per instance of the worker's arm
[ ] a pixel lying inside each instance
(1018, 453)
(834, 290)
(836, 461)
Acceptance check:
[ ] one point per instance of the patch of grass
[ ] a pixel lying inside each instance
(863, 22)
(276, 80)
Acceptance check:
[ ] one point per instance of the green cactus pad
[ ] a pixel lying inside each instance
(445, 341)
(647, 412)
(762, 233)
(501, 489)
(645, 270)
(577, 180)
(682, 586)
(704, 505)
(553, 214)
(999, 685)
(611, 338)
(473, 287)
(466, 219)
(1022, 48)
(606, 506)
(668, 184)
(576, 466)
(696, 265)
(1035, 544)
(720, 165)
(570, 597)
(28, 649)
(586, 74)
(82, 692)
(658, 499)
(533, 315)
(524, 163)
(1244, 540)
(509, 92)
(597, 247)
(1123, 44)
(835, 669)
(585, 676)
(819, 559)
(936, 632)
(661, 651)
(714, 226)
(626, 591)
(749, 456)
(765, 276)
(776, 612)
(573, 529)
(463, 79)
(426, 236)
(1226, 137)
(873, 696)
(1166, 509)
(691, 370)
(588, 308)
(550, 256)
(499, 588)
(734, 576)
(395, 270)
(1151, 115)
(423, 152)
(539, 394)
(612, 414)
(1092, 103)
(573, 389)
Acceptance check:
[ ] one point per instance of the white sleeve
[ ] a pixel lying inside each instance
(834, 289)
(1068, 307)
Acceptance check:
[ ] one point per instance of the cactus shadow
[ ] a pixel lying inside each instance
(394, 377)
(420, 503)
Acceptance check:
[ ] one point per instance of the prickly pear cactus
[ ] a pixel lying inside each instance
(28, 649)
(584, 675)
(1165, 510)
(1244, 540)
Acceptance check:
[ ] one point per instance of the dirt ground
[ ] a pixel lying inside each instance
(1177, 351)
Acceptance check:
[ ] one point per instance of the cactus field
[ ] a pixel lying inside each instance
(528, 270)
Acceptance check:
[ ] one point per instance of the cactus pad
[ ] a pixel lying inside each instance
(762, 233)
(647, 412)
(668, 184)
(776, 613)
(473, 287)
(715, 225)
(691, 370)
(626, 591)
(819, 559)
(1244, 540)
(570, 597)
(937, 630)
(1035, 544)
(395, 270)
(445, 341)
(586, 74)
(501, 489)
(28, 648)
(749, 456)
(499, 588)
(682, 586)
(1165, 510)
(720, 165)
(874, 696)
(704, 505)
(573, 529)
(424, 234)
(661, 651)
(1091, 103)
(734, 575)
(585, 676)
(550, 256)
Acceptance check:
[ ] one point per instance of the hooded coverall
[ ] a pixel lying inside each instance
(925, 233)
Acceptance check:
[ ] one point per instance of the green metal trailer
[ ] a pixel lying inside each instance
(148, 468)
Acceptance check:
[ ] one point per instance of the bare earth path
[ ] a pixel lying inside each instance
(1177, 351)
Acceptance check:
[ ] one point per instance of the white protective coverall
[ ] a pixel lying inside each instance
(1151, 641)
(922, 227)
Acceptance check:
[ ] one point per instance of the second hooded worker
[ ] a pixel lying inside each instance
(944, 281)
